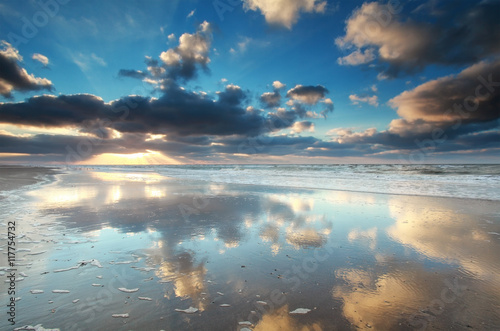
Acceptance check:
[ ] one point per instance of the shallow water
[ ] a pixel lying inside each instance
(246, 256)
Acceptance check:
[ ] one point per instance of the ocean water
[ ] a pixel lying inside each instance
(474, 181)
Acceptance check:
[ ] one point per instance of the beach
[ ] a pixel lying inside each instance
(156, 248)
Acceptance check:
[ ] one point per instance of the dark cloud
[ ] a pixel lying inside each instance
(176, 112)
(177, 64)
(307, 94)
(270, 99)
(449, 103)
(14, 77)
(453, 113)
(232, 96)
(462, 32)
(132, 73)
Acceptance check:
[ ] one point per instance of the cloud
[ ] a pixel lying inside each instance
(191, 13)
(171, 37)
(456, 113)
(14, 77)
(270, 99)
(86, 61)
(177, 112)
(307, 94)
(132, 73)
(371, 100)
(357, 57)
(299, 127)
(41, 58)
(463, 33)
(284, 12)
(277, 85)
(472, 96)
(192, 50)
(247, 43)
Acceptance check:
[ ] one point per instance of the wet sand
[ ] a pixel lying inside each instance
(130, 251)
(15, 177)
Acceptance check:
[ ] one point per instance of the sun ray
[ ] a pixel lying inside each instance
(146, 158)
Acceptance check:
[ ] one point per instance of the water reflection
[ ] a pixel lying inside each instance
(280, 319)
(389, 257)
(400, 292)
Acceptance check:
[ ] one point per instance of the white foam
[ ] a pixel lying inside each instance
(463, 181)
(37, 327)
(300, 311)
(120, 315)
(190, 310)
(126, 290)
(60, 291)
(67, 269)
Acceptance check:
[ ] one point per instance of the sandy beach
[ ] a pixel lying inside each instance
(132, 250)
(15, 177)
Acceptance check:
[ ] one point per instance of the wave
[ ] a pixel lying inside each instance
(462, 181)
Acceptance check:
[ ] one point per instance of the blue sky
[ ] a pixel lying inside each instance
(354, 81)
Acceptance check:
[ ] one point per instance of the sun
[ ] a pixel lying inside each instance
(146, 158)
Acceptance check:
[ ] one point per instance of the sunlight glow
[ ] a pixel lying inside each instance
(148, 157)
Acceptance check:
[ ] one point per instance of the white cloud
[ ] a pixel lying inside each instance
(193, 48)
(170, 57)
(85, 61)
(371, 100)
(191, 13)
(284, 12)
(299, 127)
(357, 57)
(171, 37)
(278, 85)
(41, 58)
(98, 60)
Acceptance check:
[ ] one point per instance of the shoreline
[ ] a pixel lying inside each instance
(15, 177)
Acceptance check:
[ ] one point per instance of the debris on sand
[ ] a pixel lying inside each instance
(126, 290)
(190, 310)
(37, 327)
(120, 315)
(36, 291)
(300, 311)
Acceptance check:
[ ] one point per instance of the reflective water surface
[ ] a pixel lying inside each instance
(245, 256)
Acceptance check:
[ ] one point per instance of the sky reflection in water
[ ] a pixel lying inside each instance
(356, 260)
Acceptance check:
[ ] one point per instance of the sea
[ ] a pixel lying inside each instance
(470, 181)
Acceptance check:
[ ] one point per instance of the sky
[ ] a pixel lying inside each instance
(249, 81)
